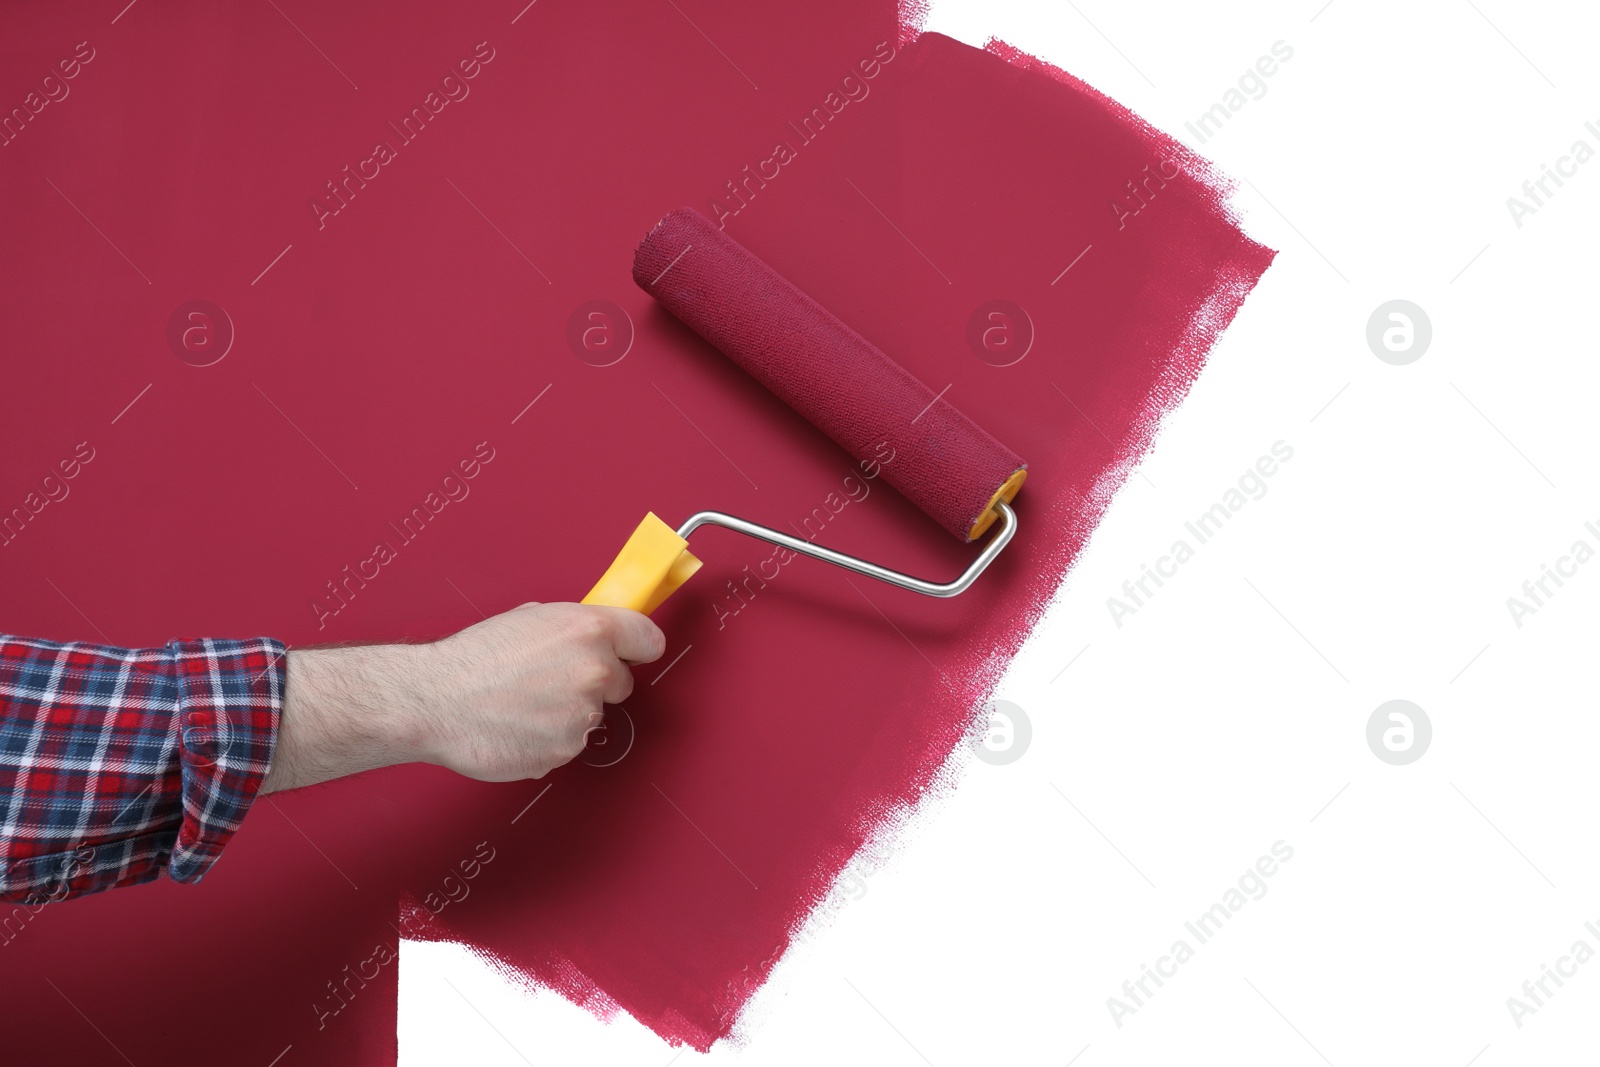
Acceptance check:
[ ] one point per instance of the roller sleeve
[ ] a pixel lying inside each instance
(942, 461)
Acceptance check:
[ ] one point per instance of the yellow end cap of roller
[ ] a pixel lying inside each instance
(650, 567)
(1004, 495)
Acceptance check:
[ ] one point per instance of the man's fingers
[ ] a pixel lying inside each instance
(619, 686)
(634, 638)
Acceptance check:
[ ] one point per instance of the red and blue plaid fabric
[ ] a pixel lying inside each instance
(119, 763)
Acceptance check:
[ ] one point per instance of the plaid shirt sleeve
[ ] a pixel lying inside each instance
(119, 763)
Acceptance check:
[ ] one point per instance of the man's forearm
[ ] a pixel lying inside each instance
(348, 710)
(511, 697)
(186, 736)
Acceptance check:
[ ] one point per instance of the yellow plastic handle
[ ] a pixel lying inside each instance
(650, 567)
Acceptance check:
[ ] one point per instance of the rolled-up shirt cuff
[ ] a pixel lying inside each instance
(134, 761)
(230, 696)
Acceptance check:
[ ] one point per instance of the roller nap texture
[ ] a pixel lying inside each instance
(943, 462)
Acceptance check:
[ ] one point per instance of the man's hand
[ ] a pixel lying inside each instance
(512, 697)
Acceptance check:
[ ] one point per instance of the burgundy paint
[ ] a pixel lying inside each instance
(413, 325)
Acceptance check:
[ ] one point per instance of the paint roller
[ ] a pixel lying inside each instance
(846, 387)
